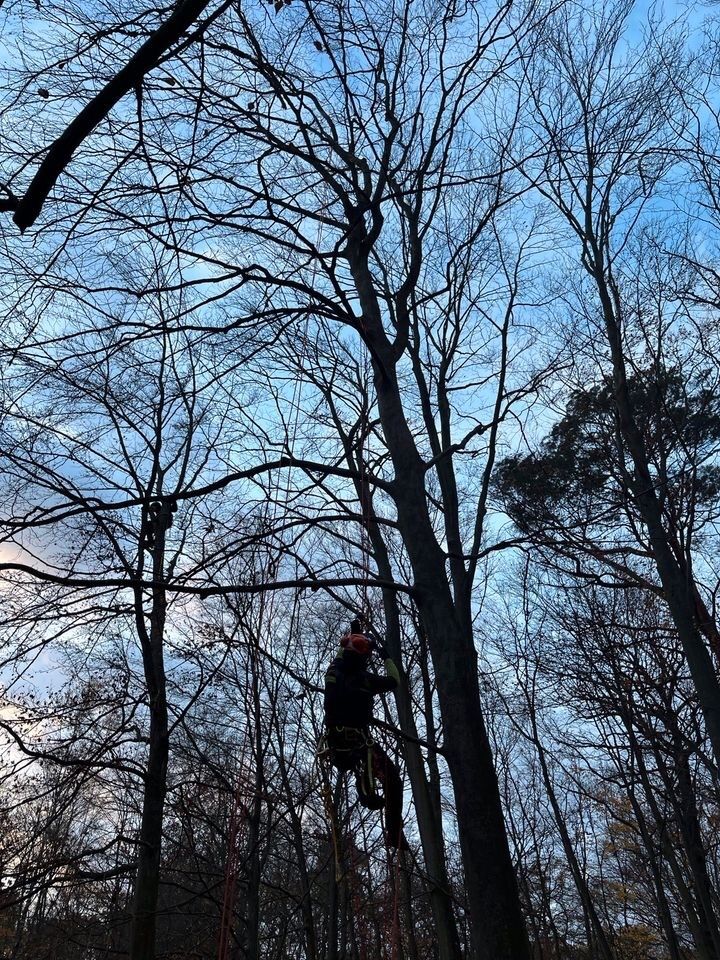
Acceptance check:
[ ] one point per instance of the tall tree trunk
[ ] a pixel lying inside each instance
(147, 878)
(431, 733)
(663, 907)
(405, 881)
(497, 924)
(336, 910)
(429, 824)
(684, 802)
(678, 586)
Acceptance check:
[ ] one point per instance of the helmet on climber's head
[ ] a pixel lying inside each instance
(355, 641)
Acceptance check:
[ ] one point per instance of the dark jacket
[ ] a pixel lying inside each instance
(350, 688)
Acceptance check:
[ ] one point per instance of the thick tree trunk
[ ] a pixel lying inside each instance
(147, 878)
(254, 824)
(251, 925)
(336, 910)
(429, 824)
(497, 924)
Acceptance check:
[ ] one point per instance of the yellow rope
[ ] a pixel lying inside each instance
(321, 760)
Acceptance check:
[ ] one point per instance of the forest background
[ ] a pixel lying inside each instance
(404, 307)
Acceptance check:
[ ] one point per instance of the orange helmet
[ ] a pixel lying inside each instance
(357, 643)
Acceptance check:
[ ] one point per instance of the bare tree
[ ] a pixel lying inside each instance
(601, 165)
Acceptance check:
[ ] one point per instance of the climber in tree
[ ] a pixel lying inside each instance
(349, 692)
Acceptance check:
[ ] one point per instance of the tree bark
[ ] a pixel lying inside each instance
(497, 924)
(663, 907)
(684, 801)
(254, 820)
(311, 948)
(703, 943)
(336, 910)
(147, 878)
(429, 825)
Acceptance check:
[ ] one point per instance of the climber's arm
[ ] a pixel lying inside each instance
(390, 681)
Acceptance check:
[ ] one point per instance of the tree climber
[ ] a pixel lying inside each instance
(349, 692)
